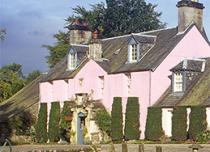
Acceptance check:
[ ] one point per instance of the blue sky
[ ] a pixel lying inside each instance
(32, 23)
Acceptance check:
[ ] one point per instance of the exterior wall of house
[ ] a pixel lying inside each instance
(45, 92)
(167, 121)
(192, 45)
(208, 117)
(60, 90)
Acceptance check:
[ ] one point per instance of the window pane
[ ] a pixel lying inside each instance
(178, 82)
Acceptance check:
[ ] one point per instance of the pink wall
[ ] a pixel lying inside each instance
(60, 90)
(45, 92)
(91, 82)
(192, 45)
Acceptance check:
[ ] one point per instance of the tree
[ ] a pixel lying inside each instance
(41, 125)
(11, 80)
(198, 123)
(59, 50)
(132, 125)
(117, 18)
(32, 76)
(179, 124)
(154, 130)
(116, 120)
(54, 119)
(2, 34)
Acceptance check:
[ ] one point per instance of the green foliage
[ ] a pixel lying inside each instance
(154, 130)
(132, 125)
(32, 76)
(2, 34)
(65, 126)
(116, 120)
(59, 50)
(41, 126)
(11, 80)
(103, 120)
(203, 137)
(179, 124)
(117, 18)
(22, 123)
(54, 119)
(198, 123)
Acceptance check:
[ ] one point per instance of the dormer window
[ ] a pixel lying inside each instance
(133, 51)
(178, 82)
(72, 60)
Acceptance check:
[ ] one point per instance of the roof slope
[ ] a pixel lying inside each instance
(197, 93)
(24, 99)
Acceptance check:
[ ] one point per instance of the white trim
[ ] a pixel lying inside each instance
(79, 45)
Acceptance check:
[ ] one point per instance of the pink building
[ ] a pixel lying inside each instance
(134, 65)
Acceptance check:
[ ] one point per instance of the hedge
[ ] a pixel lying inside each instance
(65, 126)
(154, 130)
(41, 125)
(198, 123)
(132, 125)
(53, 131)
(179, 124)
(116, 120)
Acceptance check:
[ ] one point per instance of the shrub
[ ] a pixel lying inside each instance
(198, 123)
(203, 137)
(132, 119)
(41, 126)
(179, 124)
(23, 123)
(154, 130)
(53, 132)
(103, 120)
(65, 126)
(116, 120)
(5, 131)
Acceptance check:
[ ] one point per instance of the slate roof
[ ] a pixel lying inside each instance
(197, 93)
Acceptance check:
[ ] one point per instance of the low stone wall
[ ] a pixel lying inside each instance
(105, 148)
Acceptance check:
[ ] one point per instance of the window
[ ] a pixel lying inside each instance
(178, 82)
(72, 61)
(134, 54)
(133, 51)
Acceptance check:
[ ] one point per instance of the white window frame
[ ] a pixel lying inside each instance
(133, 52)
(72, 60)
(178, 82)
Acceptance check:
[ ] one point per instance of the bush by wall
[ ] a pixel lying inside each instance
(179, 124)
(116, 120)
(198, 123)
(103, 120)
(41, 125)
(154, 130)
(132, 131)
(54, 119)
(65, 126)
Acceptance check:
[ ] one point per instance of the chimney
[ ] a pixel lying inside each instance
(190, 11)
(95, 47)
(79, 32)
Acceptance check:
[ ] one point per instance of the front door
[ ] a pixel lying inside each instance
(80, 128)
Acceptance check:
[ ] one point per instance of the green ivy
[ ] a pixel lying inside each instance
(154, 130)
(116, 120)
(54, 119)
(198, 123)
(132, 125)
(41, 125)
(103, 120)
(179, 124)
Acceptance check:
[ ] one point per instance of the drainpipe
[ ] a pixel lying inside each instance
(150, 86)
